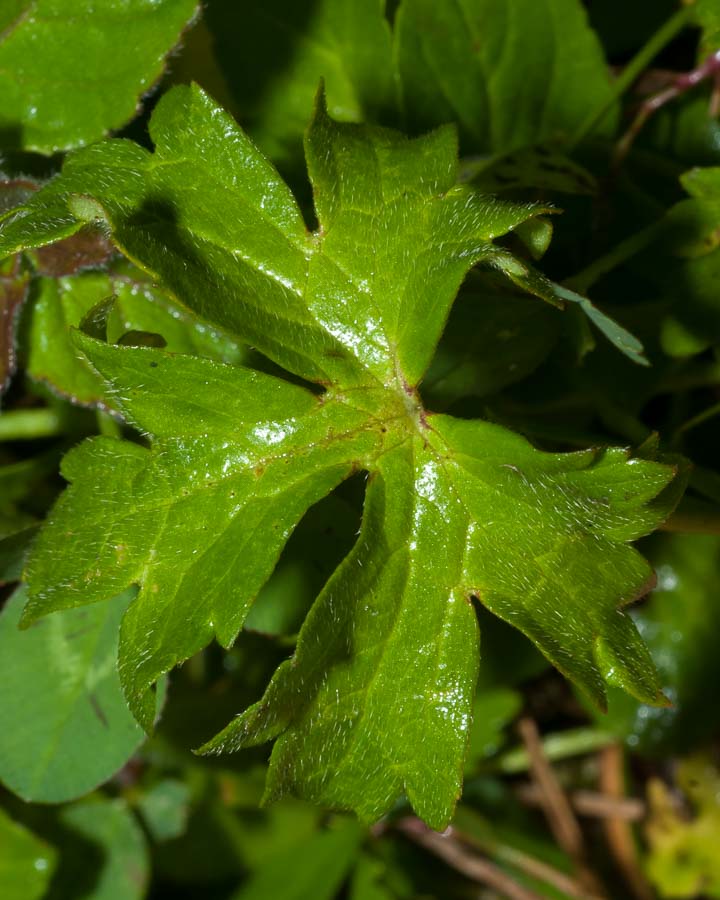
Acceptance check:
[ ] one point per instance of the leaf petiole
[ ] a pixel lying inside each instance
(642, 59)
(30, 424)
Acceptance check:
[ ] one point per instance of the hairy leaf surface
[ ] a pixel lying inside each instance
(377, 698)
(136, 310)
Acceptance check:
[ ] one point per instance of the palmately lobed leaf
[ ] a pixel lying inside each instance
(236, 460)
(377, 698)
(206, 207)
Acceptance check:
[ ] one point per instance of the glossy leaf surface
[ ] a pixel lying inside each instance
(377, 698)
(67, 727)
(135, 308)
(103, 55)
(397, 234)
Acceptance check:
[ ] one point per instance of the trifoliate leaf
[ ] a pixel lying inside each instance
(72, 70)
(67, 726)
(377, 698)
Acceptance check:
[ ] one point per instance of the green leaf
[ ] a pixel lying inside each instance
(324, 536)
(512, 75)
(678, 622)
(26, 862)
(540, 167)
(13, 550)
(707, 13)
(493, 711)
(274, 54)
(97, 59)
(135, 306)
(493, 338)
(536, 283)
(375, 669)
(106, 828)
(164, 809)
(235, 451)
(66, 724)
(367, 881)
(318, 867)
(377, 698)
(683, 265)
(396, 241)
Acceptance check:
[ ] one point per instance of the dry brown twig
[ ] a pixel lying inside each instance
(557, 809)
(618, 831)
(460, 858)
(590, 803)
(708, 70)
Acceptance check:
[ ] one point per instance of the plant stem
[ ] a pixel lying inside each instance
(561, 745)
(618, 832)
(108, 425)
(583, 280)
(642, 59)
(704, 416)
(555, 804)
(29, 424)
(694, 517)
(472, 866)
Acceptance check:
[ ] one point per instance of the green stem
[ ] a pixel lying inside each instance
(583, 280)
(29, 424)
(561, 745)
(642, 59)
(706, 414)
(694, 517)
(108, 425)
